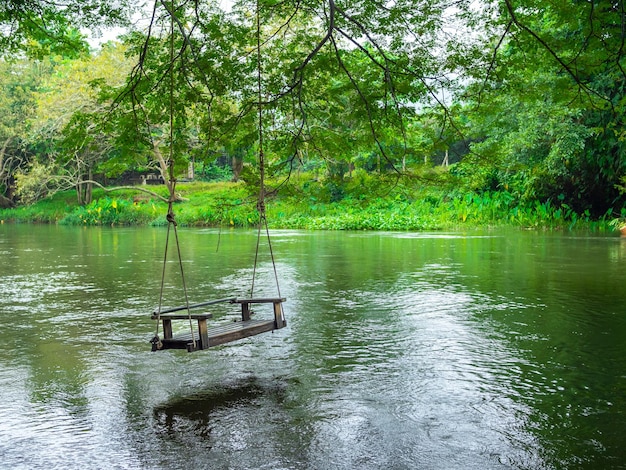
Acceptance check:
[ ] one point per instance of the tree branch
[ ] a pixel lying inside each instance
(366, 103)
(553, 53)
(132, 188)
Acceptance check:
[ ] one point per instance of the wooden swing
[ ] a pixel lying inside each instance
(205, 336)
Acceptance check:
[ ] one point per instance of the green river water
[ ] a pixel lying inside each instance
(479, 350)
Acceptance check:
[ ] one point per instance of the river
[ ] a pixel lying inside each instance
(478, 350)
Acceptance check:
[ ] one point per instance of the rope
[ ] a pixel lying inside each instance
(171, 220)
(259, 70)
(261, 200)
(156, 340)
(170, 217)
(269, 244)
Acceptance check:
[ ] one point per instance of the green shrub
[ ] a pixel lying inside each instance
(103, 211)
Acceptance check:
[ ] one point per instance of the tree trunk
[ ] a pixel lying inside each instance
(79, 194)
(237, 167)
(5, 202)
(2, 152)
(5, 174)
(164, 169)
(89, 188)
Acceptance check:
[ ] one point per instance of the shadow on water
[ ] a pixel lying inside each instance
(197, 413)
(245, 422)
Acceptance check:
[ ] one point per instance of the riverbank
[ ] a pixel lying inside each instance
(309, 205)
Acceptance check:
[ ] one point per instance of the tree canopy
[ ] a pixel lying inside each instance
(527, 97)
(43, 27)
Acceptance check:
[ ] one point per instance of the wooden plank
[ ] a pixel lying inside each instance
(182, 316)
(245, 312)
(260, 300)
(167, 328)
(177, 342)
(279, 316)
(202, 304)
(203, 333)
(220, 334)
(238, 330)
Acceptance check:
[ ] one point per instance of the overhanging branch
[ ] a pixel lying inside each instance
(132, 188)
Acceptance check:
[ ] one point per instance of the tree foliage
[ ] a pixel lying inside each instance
(548, 111)
(44, 27)
(528, 95)
(67, 125)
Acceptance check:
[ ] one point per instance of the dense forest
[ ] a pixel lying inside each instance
(517, 103)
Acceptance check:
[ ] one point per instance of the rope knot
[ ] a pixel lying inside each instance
(260, 205)
(171, 218)
(156, 343)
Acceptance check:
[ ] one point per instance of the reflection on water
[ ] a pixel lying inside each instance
(403, 350)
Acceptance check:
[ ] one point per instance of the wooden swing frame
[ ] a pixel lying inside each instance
(205, 337)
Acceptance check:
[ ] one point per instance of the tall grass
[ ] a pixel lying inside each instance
(362, 203)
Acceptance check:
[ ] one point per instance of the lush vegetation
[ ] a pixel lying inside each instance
(404, 205)
(402, 115)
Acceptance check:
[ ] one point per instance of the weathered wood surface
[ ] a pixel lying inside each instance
(219, 334)
(260, 300)
(182, 316)
(202, 304)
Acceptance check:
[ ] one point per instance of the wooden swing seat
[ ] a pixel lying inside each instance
(206, 337)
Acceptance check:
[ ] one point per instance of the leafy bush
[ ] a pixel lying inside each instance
(103, 211)
(213, 172)
(407, 205)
